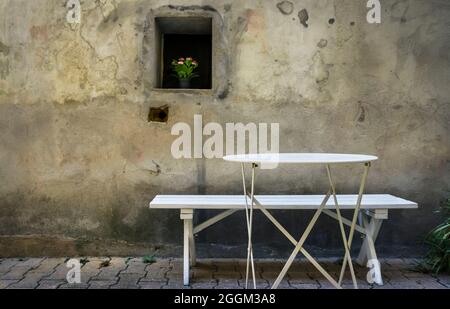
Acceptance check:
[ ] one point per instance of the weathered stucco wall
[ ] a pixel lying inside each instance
(79, 161)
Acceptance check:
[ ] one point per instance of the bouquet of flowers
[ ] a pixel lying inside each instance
(184, 69)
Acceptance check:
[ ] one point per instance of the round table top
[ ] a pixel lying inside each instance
(303, 158)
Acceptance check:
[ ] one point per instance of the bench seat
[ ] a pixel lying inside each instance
(282, 202)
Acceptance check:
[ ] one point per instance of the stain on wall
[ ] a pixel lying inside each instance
(286, 7)
(79, 160)
(303, 16)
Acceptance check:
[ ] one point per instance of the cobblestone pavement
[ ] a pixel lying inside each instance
(133, 273)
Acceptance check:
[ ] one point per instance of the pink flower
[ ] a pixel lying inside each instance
(181, 59)
(189, 58)
(180, 62)
(194, 62)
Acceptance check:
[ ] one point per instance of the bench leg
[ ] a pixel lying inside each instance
(193, 256)
(372, 230)
(186, 216)
(368, 252)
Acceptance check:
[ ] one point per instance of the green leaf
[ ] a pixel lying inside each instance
(437, 260)
(185, 70)
(149, 259)
(84, 261)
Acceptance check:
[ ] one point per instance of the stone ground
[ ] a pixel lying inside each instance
(132, 273)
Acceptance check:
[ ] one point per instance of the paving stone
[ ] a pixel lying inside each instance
(359, 281)
(363, 286)
(111, 272)
(225, 284)
(150, 285)
(47, 266)
(75, 286)
(301, 278)
(101, 285)
(176, 285)
(160, 263)
(156, 272)
(405, 284)
(260, 283)
(50, 284)
(174, 275)
(416, 275)
(297, 283)
(31, 281)
(444, 279)
(127, 281)
(326, 285)
(135, 266)
(284, 285)
(393, 275)
(91, 269)
(347, 282)
(243, 270)
(306, 286)
(127, 277)
(176, 266)
(431, 283)
(17, 272)
(32, 262)
(316, 275)
(60, 273)
(88, 270)
(223, 275)
(386, 286)
(6, 283)
(204, 284)
(271, 276)
(7, 264)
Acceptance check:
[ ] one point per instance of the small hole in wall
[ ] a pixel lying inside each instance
(331, 21)
(160, 114)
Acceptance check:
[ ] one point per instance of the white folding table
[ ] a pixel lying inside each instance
(326, 159)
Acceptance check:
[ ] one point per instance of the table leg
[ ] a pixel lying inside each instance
(341, 226)
(294, 242)
(355, 219)
(249, 218)
(302, 240)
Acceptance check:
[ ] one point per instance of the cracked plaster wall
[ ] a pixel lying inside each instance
(79, 161)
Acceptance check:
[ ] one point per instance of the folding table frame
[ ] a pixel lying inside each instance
(347, 242)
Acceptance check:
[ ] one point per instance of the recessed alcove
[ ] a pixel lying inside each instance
(184, 37)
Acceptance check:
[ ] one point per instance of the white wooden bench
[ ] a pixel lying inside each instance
(374, 209)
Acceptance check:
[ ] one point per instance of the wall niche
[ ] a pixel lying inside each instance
(186, 31)
(184, 37)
